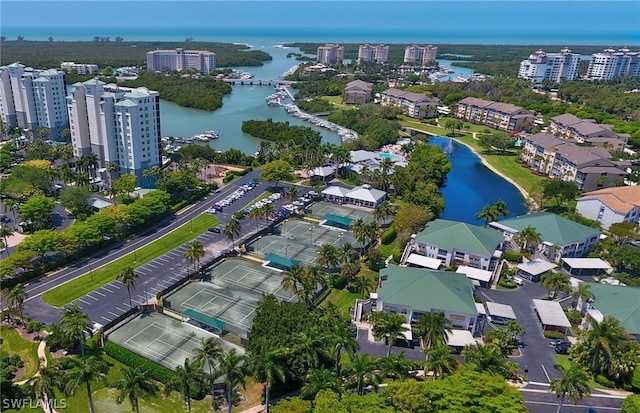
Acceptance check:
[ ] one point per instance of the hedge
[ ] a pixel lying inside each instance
(389, 236)
(631, 404)
(635, 380)
(504, 283)
(156, 371)
(230, 175)
(603, 381)
(512, 256)
(553, 335)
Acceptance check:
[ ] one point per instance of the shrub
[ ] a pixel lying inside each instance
(34, 326)
(397, 255)
(631, 404)
(603, 381)
(389, 236)
(512, 256)
(635, 380)
(339, 282)
(553, 335)
(156, 371)
(574, 317)
(504, 283)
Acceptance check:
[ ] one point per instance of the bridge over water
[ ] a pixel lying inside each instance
(259, 82)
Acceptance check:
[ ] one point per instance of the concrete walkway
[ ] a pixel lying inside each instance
(42, 356)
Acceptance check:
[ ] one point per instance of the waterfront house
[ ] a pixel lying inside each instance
(415, 105)
(611, 205)
(560, 237)
(457, 243)
(502, 116)
(586, 131)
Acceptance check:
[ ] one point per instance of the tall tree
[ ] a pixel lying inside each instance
(488, 358)
(361, 372)
(85, 372)
(383, 211)
(439, 361)
(292, 278)
(317, 380)
(340, 339)
(560, 190)
(572, 386)
(134, 385)
(528, 237)
(194, 253)
(128, 278)
(187, 378)
(267, 366)
(16, 298)
(328, 256)
(346, 252)
(233, 370)
(600, 346)
(5, 233)
(74, 323)
(554, 282)
(501, 208)
(232, 230)
(276, 171)
(433, 328)
(390, 326)
(489, 213)
(44, 384)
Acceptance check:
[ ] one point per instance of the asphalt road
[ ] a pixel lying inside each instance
(115, 295)
(539, 400)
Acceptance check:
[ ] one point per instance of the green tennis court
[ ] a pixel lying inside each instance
(320, 209)
(162, 339)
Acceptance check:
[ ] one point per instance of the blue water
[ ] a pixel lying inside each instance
(471, 185)
(389, 156)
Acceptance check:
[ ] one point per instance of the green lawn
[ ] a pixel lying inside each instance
(80, 286)
(564, 361)
(344, 298)
(13, 343)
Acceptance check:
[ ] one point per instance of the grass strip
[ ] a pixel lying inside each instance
(65, 293)
(565, 361)
(13, 343)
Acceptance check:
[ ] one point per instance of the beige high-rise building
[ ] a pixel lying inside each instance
(422, 55)
(330, 54)
(179, 59)
(375, 54)
(550, 66)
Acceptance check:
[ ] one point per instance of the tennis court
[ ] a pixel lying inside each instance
(322, 208)
(299, 240)
(231, 295)
(163, 339)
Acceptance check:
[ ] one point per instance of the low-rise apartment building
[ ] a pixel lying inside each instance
(586, 131)
(588, 167)
(357, 92)
(80, 68)
(609, 206)
(457, 243)
(502, 116)
(415, 105)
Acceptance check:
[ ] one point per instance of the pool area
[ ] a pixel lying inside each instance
(391, 156)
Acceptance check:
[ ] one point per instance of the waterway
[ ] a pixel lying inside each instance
(471, 185)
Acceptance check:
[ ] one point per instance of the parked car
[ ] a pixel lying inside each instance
(562, 348)
(559, 341)
(215, 230)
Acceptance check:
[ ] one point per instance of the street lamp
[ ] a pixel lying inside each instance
(91, 272)
(135, 253)
(286, 251)
(191, 223)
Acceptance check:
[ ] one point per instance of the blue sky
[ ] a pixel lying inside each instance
(590, 17)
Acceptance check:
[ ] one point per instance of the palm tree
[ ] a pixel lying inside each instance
(194, 253)
(16, 299)
(363, 284)
(584, 294)
(600, 344)
(128, 278)
(232, 230)
(134, 385)
(346, 252)
(233, 371)
(488, 358)
(359, 230)
(317, 380)
(209, 352)
(501, 208)
(84, 372)
(292, 278)
(309, 345)
(255, 213)
(433, 328)
(328, 256)
(74, 323)
(187, 377)
(293, 193)
(5, 233)
(383, 211)
(45, 382)
(340, 339)
(267, 210)
(390, 326)
(362, 372)
(489, 213)
(573, 385)
(528, 237)
(439, 361)
(554, 281)
(396, 366)
(267, 366)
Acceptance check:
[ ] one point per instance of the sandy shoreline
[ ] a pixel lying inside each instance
(528, 200)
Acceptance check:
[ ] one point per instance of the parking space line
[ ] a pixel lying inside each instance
(103, 317)
(99, 293)
(120, 309)
(86, 302)
(114, 285)
(92, 297)
(105, 288)
(113, 314)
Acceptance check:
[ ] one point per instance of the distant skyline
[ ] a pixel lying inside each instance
(541, 21)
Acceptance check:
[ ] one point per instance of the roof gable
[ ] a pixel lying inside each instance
(460, 236)
(552, 228)
(620, 302)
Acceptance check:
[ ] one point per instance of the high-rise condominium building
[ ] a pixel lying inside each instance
(375, 54)
(422, 55)
(201, 60)
(81, 68)
(550, 66)
(330, 54)
(118, 124)
(32, 98)
(611, 63)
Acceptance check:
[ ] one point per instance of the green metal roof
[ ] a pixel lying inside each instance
(461, 236)
(427, 291)
(279, 261)
(204, 319)
(553, 228)
(338, 219)
(621, 302)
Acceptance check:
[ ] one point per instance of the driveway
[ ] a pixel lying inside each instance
(537, 357)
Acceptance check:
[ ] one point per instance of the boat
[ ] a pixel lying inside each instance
(206, 136)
